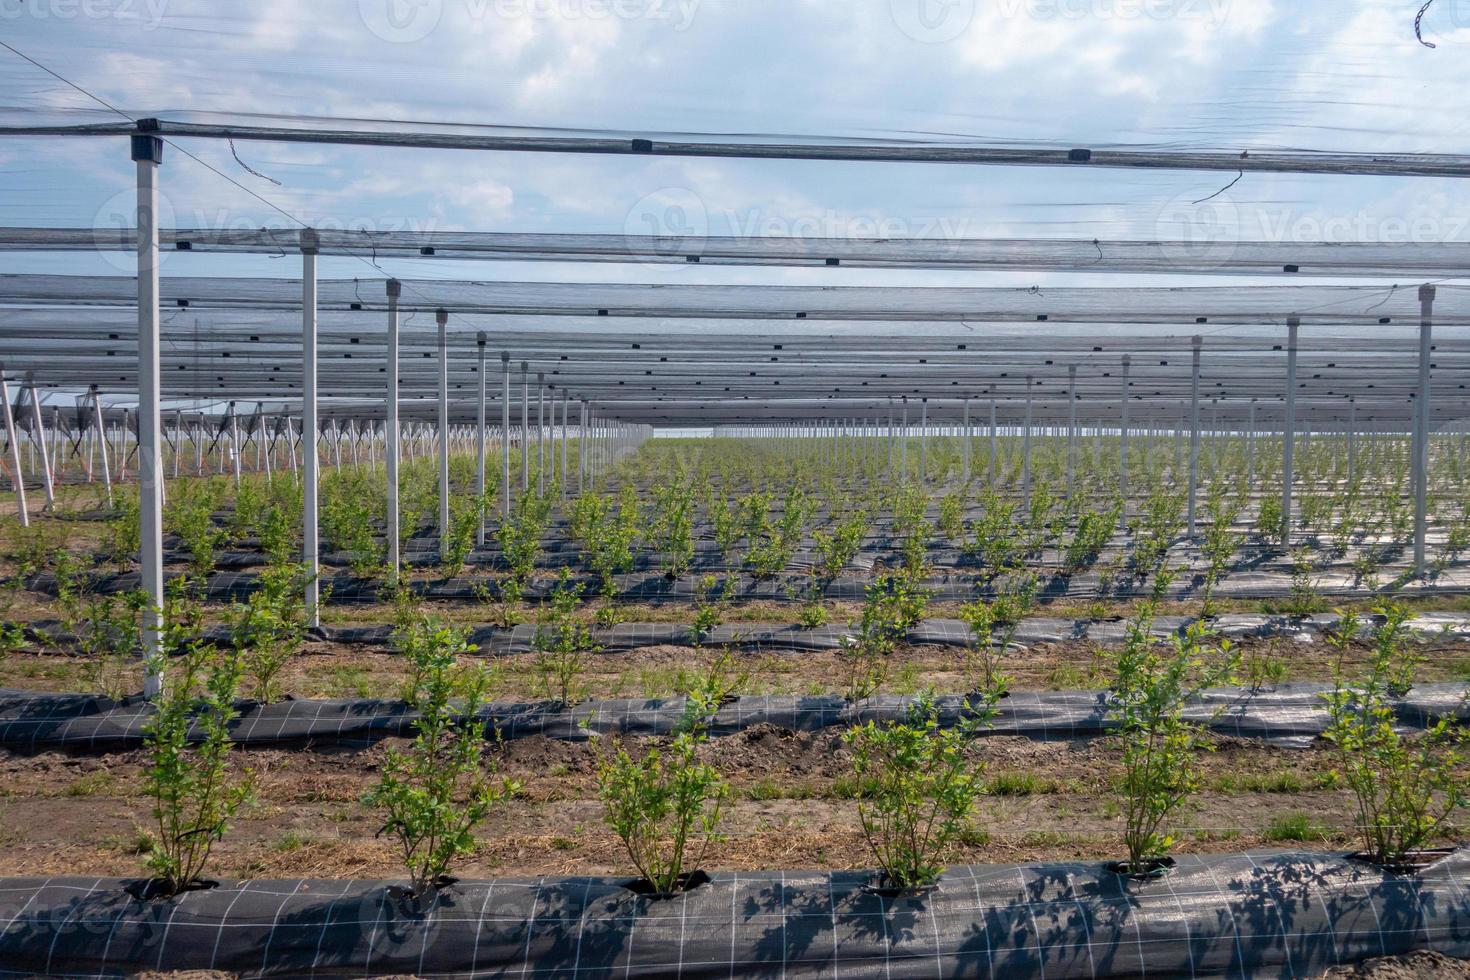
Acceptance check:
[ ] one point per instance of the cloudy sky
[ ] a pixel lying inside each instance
(1226, 74)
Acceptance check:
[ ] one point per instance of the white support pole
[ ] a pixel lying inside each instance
(1071, 427)
(1026, 452)
(235, 444)
(903, 444)
(1420, 465)
(525, 427)
(390, 430)
(540, 434)
(582, 446)
(1123, 442)
(994, 444)
(310, 458)
(505, 436)
(40, 440)
(1352, 441)
(966, 448)
(16, 475)
(441, 318)
(1250, 444)
(147, 153)
(1288, 435)
(564, 478)
(1194, 431)
(923, 439)
(101, 442)
(480, 439)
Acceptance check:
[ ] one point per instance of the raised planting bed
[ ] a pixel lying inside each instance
(1255, 914)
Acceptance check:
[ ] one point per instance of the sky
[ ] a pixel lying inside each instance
(1218, 74)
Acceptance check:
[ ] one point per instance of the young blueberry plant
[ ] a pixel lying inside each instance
(1154, 683)
(1405, 787)
(269, 628)
(665, 805)
(562, 643)
(437, 791)
(195, 790)
(920, 787)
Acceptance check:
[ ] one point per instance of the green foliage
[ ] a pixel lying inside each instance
(562, 642)
(673, 526)
(1405, 788)
(350, 502)
(520, 536)
(665, 806)
(438, 790)
(890, 607)
(269, 628)
(195, 791)
(122, 537)
(920, 788)
(190, 515)
(1153, 684)
(994, 627)
(838, 547)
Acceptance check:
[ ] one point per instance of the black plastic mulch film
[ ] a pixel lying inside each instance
(1291, 715)
(1283, 914)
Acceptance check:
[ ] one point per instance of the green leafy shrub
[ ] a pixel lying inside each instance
(665, 806)
(562, 643)
(1153, 684)
(919, 789)
(195, 791)
(438, 790)
(269, 627)
(1405, 788)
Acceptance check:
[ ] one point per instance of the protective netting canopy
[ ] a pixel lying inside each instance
(685, 354)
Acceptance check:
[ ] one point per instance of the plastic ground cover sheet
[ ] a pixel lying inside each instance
(1281, 914)
(1291, 715)
(777, 637)
(346, 589)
